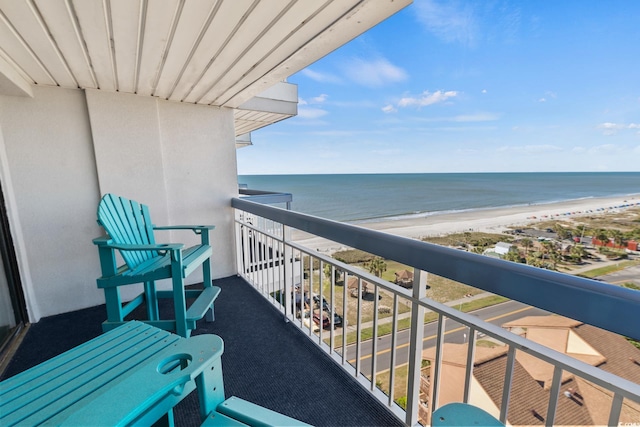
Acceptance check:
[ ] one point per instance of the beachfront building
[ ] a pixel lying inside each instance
(150, 100)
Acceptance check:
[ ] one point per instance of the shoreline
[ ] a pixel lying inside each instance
(493, 220)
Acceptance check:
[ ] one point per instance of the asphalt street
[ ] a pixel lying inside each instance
(454, 333)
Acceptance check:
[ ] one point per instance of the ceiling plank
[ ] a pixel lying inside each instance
(63, 27)
(255, 23)
(25, 18)
(213, 40)
(191, 25)
(283, 27)
(15, 52)
(161, 18)
(125, 21)
(93, 21)
(16, 49)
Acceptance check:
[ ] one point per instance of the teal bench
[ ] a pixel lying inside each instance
(132, 375)
(131, 233)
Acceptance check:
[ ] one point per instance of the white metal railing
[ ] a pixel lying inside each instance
(283, 270)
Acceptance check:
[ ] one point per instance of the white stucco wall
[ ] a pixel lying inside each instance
(64, 148)
(51, 163)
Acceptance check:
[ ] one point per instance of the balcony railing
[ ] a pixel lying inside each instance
(381, 339)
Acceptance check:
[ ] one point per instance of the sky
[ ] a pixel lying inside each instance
(469, 86)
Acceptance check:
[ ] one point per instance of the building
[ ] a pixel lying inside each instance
(580, 402)
(150, 100)
(404, 278)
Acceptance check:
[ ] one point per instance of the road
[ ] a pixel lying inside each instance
(454, 333)
(628, 275)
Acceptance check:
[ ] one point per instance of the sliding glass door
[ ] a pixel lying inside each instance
(13, 312)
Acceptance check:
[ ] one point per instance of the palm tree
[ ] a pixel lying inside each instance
(527, 243)
(603, 236)
(562, 232)
(578, 252)
(617, 237)
(580, 230)
(376, 266)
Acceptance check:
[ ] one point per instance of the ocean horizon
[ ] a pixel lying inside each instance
(359, 198)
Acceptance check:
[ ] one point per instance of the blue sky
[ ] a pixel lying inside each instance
(469, 86)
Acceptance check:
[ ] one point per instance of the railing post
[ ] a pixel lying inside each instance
(287, 272)
(239, 243)
(415, 346)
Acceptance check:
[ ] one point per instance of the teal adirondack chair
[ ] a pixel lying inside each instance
(463, 414)
(131, 233)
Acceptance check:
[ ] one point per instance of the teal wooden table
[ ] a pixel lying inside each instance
(134, 374)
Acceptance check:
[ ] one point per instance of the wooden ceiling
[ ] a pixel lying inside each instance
(212, 52)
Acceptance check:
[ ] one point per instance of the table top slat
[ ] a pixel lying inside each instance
(40, 393)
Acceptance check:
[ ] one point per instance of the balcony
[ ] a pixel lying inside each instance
(414, 354)
(402, 355)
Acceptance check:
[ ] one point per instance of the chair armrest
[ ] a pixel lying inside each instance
(107, 242)
(196, 228)
(155, 247)
(102, 241)
(202, 230)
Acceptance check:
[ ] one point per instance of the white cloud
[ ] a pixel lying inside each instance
(478, 117)
(320, 98)
(311, 113)
(605, 149)
(389, 109)
(320, 77)
(452, 22)
(374, 73)
(427, 98)
(609, 128)
(531, 149)
(484, 91)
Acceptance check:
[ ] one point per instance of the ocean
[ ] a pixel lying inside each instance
(362, 198)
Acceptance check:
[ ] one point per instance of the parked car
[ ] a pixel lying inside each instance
(337, 319)
(316, 302)
(326, 323)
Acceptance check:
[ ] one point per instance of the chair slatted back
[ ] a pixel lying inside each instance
(127, 222)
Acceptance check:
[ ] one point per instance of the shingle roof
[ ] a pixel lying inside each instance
(528, 400)
(404, 275)
(623, 359)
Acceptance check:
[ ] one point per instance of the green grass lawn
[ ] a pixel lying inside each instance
(601, 271)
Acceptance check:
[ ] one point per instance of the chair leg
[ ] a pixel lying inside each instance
(179, 297)
(210, 316)
(206, 276)
(114, 304)
(206, 273)
(151, 298)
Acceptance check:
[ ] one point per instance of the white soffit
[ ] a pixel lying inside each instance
(212, 52)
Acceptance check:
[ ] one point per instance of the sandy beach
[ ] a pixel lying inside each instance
(489, 220)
